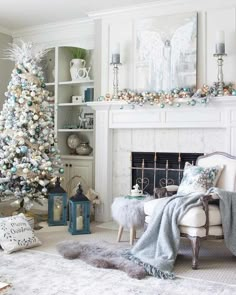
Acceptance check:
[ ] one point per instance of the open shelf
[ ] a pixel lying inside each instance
(76, 157)
(76, 82)
(69, 104)
(75, 130)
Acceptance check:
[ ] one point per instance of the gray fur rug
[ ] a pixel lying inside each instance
(101, 255)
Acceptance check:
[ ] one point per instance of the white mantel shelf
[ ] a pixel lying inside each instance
(215, 114)
(218, 114)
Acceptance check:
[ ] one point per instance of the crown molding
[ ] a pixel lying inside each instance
(136, 7)
(161, 4)
(5, 31)
(50, 27)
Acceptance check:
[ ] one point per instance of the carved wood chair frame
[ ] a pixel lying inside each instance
(195, 240)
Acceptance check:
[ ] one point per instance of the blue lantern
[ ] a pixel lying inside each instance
(79, 213)
(57, 201)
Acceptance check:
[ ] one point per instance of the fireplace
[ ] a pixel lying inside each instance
(151, 170)
(122, 129)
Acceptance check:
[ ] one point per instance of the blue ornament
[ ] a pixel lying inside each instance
(193, 102)
(162, 105)
(234, 92)
(203, 100)
(188, 102)
(50, 169)
(4, 167)
(43, 85)
(23, 149)
(178, 104)
(13, 170)
(61, 170)
(18, 71)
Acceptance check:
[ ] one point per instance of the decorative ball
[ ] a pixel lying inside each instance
(13, 170)
(162, 105)
(29, 103)
(61, 170)
(25, 170)
(73, 141)
(23, 149)
(193, 102)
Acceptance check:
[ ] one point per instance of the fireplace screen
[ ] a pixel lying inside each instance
(157, 170)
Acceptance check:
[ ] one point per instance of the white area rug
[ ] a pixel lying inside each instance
(31, 272)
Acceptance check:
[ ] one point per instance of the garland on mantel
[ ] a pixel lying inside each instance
(175, 97)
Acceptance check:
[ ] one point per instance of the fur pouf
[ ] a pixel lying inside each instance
(128, 212)
(101, 255)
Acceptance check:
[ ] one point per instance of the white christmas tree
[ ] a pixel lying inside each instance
(29, 157)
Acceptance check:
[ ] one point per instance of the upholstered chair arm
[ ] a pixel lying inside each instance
(205, 201)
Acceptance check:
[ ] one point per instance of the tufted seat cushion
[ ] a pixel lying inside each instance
(195, 217)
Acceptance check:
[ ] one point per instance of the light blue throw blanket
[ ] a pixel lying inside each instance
(158, 247)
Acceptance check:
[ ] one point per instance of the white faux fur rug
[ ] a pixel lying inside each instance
(33, 272)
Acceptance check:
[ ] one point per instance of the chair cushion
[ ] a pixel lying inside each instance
(195, 217)
(198, 179)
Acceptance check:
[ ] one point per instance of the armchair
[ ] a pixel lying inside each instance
(204, 221)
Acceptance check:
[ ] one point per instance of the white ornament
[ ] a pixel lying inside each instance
(35, 117)
(25, 170)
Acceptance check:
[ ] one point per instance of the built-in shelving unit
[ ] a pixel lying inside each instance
(62, 88)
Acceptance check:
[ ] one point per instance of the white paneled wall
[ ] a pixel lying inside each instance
(102, 30)
(212, 16)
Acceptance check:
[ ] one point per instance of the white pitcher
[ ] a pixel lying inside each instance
(75, 65)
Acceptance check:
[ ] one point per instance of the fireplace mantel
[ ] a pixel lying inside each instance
(219, 114)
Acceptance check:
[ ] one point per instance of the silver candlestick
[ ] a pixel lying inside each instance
(220, 72)
(116, 63)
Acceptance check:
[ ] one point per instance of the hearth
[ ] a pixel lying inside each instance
(155, 170)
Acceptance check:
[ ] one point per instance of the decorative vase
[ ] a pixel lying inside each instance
(84, 149)
(77, 68)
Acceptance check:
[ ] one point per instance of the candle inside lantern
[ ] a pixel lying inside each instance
(57, 213)
(79, 223)
(220, 42)
(115, 59)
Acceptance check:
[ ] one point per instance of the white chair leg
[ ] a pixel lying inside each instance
(120, 231)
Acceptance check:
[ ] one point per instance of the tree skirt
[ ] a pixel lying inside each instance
(38, 273)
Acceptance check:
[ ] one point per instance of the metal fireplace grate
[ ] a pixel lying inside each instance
(157, 170)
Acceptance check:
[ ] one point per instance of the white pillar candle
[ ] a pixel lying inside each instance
(57, 213)
(116, 54)
(220, 42)
(79, 223)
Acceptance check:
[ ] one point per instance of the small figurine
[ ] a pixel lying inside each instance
(136, 191)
